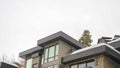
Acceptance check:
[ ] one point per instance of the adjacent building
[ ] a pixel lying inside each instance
(59, 50)
(7, 65)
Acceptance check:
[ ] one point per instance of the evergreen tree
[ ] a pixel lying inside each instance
(86, 38)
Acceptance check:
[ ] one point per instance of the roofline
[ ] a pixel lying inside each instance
(102, 50)
(115, 44)
(30, 51)
(60, 36)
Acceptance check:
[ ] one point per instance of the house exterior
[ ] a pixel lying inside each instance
(59, 50)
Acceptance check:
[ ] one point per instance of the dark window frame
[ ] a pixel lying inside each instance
(54, 57)
(86, 62)
(35, 64)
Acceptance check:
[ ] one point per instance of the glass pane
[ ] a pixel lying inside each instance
(50, 67)
(46, 53)
(55, 66)
(29, 63)
(83, 65)
(42, 59)
(57, 49)
(51, 51)
(51, 59)
(91, 64)
(74, 66)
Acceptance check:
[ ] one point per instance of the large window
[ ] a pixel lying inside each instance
(89, 64)
(29, 63)
(50, 54)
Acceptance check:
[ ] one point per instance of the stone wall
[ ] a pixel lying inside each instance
(109, 63)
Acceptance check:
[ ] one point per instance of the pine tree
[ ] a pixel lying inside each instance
(86, 38)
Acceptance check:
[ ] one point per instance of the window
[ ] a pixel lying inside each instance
(35, 65)
(50, 54)
(53, 66)
(74, 66)
(83, 65)
(29, 63)
(90, 64)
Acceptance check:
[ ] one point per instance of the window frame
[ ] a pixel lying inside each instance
(27, 65)
(86, 63)
(35, 64)
(44, 59)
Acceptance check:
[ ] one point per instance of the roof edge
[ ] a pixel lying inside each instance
(58, 36)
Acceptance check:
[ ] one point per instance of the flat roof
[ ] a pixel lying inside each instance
(115, 44)
(60, 36)
(29, 51)
(54, 37)
(103, 49)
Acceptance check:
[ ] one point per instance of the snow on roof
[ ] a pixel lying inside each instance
(114, 41)
(95, 46)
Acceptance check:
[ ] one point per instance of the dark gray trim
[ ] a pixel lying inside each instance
(104, 50)
(35, 55)
(60, 36)
(30, 51)
(6, 65)
(116, 45)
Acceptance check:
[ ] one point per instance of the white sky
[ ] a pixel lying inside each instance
(23, 22)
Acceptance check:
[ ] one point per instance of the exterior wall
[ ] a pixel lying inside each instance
(26, 58)
(63, 51)
(36, 60)
(101, 61)
(108, 63)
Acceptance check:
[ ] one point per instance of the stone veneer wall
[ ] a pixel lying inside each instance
(108, 63)
(36, 60)
(101, 61)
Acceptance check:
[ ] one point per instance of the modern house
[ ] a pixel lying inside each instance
(7, 65)
(59, 50)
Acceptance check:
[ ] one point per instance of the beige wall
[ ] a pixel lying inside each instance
(109, 63)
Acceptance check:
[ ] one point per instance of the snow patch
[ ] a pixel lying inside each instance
(95, 46)
(114, 41)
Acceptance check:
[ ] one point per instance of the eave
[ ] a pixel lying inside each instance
(60, 36)
(30, 51)
(115, 44)
(102, 50)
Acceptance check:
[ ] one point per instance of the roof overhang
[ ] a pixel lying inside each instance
(102, 50)
(30, 51)
(115, 44)
(60, 36)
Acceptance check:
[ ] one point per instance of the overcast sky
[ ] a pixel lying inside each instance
(23, 22)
